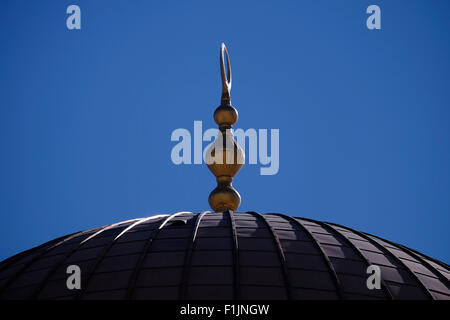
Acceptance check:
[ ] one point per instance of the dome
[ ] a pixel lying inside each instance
(223, 255)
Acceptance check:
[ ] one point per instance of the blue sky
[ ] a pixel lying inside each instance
(86, 115)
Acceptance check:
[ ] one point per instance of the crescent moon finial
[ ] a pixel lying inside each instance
(225, 157)
(226, 76)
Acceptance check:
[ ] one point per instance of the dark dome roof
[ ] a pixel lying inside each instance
(222, 256)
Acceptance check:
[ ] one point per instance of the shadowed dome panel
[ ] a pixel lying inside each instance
(222, 256)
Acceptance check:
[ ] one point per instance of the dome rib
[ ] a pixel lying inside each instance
(419, 276)
(57, 265)
(103, 253)
(386, 250)
(95, 233)
(11, 260)
(144, 253)
(433, 263)
(235, 252)
(346, 289)
(47, 248)
(280, 252)
(188, 258)
(429, 266)
(418, 256)
(384, 286)
(140, 221)
(325, 257)
(108, 227)
(430, 260)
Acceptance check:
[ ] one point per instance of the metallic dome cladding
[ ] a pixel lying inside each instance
(222, 256)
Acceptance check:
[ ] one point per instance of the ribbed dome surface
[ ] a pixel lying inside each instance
(222, 256)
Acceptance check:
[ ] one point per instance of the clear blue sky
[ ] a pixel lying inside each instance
(86, 116)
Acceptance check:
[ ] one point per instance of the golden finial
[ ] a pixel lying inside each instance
(225, 158)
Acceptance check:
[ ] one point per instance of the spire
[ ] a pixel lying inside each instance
(225, 158)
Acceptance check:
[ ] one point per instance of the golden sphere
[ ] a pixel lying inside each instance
(225, 115)
(224, 198)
